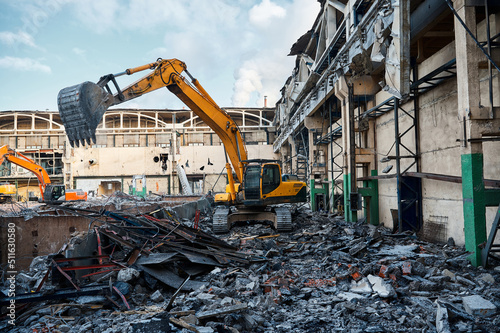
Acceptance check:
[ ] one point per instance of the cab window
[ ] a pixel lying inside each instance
(252, 177)
(270, 178)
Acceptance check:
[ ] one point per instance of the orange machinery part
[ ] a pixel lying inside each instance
(74, 195)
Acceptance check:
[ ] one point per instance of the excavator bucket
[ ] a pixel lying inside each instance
(81, 108)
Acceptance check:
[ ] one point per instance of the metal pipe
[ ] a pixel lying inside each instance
(120, 74)
(352, 139)
(416, 106)
(490, 70)
(398, 163)
(332, 189)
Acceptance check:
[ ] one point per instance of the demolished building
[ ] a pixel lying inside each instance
(391, 114)
(130, 142)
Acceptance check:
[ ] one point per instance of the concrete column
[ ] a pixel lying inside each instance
(474, 205)
(293, 157)
(342, 93)
(470, 112)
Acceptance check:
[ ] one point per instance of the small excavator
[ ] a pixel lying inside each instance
(8, 192)
(259, 186)
(50, 193)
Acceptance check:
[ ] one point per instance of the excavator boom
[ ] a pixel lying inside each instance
(82, 106)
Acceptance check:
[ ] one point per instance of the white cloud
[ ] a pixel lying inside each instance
(12, 38)
(158, 52)
(248, 80)
(263, 14)
(98, 15)
(264, 71)
(144, 15)
(78, 51)
(263, 75)
(228, 45)
(24, 64)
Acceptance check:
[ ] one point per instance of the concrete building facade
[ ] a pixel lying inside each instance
(130, 143)
(391, 114)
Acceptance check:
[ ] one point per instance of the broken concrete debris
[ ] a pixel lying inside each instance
(478, 306)
(151, 273)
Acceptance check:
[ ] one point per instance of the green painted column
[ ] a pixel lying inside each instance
(350, 216)
(312, 193)
(370, 195)
(347, 190)
(474, 205)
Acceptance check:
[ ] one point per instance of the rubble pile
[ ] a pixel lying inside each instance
(154, 274)
(118, 201)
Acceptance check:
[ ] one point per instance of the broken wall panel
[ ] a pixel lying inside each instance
(39, 235)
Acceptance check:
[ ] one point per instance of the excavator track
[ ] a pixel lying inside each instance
(283, 219)
(219, 221)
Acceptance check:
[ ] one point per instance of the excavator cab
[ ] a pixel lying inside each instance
(260, 179)
(53, 193)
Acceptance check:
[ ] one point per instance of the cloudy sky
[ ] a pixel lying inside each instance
(237, 49)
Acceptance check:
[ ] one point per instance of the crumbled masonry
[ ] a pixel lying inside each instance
(158, 274)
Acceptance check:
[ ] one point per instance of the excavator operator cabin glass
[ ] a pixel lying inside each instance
(270, 178)
(57, 192)
(252, 177)
(252, 182)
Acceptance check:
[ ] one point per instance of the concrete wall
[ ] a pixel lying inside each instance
(118, 165)
(40, 235)
(439, 129)
(440, 153)
(440, 132)
(116, 162)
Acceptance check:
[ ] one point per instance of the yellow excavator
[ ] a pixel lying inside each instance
(8, 192)
(50, 193)
(259, 186)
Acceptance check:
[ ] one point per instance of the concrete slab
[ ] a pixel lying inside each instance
(442, 324)
(348, 296)
(478, 306)
(382, 288)
(187, 210)
(361, 287)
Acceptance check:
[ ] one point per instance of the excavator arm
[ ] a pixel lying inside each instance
(82, 106)
(23, 161)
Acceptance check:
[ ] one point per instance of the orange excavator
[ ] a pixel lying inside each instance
(51, 193)
(258, 191)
